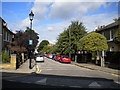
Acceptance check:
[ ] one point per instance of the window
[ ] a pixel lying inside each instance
(111, 34)
(111, 49)
(7, 36)
(107, 35)
(103, 33)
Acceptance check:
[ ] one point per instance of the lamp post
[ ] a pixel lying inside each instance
(31, 15)
(69, 44)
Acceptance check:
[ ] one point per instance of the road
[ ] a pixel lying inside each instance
(56, 74)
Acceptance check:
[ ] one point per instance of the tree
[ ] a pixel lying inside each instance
(93, 42)
(77, 31)
(63, 43)
(20, 43)
(46, 49)
(117, 36)
(43, 44)
(68, 39)
(17, 45)
(30, 35)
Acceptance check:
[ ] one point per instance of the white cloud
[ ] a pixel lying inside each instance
(40, 10)
(90, 22)
(50, 28)
(67, 10)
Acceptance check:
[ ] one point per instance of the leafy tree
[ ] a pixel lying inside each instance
(117, 36)
(46, 49)
(93, 42)
(30, 35)
(68, 39)
(42, 44)
(20, 43)
(77, 31)
(17, 45)
(63, 43)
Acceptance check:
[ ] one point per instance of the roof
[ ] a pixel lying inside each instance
(1, 20)
(50, 44)
(108, 26)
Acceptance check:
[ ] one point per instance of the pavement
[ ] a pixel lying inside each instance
(113, 72)
(24, 68)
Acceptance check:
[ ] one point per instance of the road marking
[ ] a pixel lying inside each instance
(21, 72)
(94, 85)
(115, 75)
(37, 69)
(42, 81)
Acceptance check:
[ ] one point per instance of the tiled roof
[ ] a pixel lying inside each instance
(108, 26)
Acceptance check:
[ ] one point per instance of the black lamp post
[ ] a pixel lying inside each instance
(31, 15)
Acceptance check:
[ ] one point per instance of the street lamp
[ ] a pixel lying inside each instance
(31, 15)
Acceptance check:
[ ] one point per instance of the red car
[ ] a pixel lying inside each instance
(58, 57)
(65, 59)
(48, 55)
(45, 54)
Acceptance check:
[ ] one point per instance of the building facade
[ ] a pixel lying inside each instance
(109, 32)
(6, 36)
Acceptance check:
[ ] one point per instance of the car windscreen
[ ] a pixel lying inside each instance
(39, 56)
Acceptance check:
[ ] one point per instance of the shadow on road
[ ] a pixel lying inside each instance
(26, 80)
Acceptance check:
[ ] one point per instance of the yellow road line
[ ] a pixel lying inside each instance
(115, 75)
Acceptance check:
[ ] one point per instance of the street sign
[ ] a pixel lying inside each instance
(30, 42)
(42, 81)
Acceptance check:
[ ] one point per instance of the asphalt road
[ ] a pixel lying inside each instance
(55, 74)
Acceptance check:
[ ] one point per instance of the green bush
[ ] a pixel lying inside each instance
(5, 57)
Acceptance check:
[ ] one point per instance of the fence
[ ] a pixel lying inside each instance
(81, 58)
(112, 59)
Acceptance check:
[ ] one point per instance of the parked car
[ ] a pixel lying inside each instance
(50, 56)
(57, 58)
(53, 57)
(45, 54)
(65, 59)
(39, 58)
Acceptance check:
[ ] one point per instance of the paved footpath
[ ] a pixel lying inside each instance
(99, 68)
(24, 68)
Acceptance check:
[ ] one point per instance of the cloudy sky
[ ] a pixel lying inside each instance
(53, 16)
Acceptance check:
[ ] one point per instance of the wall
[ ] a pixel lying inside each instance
(115, 47)
(11, 65)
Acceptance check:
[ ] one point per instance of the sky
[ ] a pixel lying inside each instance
(51, 17)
